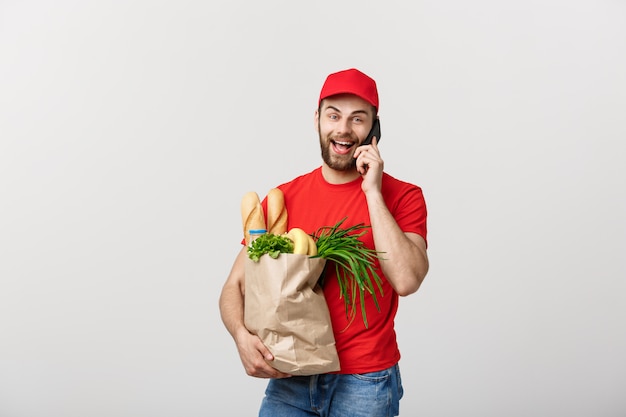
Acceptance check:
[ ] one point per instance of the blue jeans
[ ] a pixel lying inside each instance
(374, 394)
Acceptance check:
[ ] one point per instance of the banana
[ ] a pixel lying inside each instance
(312, 246)
(300, 240)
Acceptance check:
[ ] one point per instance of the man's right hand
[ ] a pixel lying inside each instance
(256, 357)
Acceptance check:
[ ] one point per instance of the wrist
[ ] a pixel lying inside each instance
(240, 333)
(373, 196)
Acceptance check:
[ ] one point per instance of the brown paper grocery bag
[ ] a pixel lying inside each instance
(286, 308)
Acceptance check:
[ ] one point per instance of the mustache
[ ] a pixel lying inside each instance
(347, 137)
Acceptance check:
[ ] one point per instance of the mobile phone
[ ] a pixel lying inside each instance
(374, 132)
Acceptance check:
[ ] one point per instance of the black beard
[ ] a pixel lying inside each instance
(338, 164)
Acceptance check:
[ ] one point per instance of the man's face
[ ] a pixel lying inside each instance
(343, 123)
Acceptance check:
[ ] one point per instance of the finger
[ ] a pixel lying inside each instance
(264, 351)
(261, 369)
(361, 164)
(374, 147)
(278, 374)
(265, 370)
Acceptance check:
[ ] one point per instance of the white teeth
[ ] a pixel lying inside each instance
(343, 143)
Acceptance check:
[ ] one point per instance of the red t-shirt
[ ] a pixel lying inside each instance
(311, 203)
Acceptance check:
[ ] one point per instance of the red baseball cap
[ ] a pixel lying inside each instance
(350, 81)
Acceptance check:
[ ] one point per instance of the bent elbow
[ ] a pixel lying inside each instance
(410, 285)
(405, 290)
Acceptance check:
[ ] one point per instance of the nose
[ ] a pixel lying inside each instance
(344, 126)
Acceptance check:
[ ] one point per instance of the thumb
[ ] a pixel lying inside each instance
(267, 355)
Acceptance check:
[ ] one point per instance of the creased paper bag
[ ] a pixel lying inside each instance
(286, 308)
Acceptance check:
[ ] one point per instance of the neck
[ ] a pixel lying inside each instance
(332, 176)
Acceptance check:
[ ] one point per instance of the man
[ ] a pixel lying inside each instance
(350, 183)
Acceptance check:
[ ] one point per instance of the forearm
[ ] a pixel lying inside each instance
(231, 310)
(231, 301)
(253, 353)
(405, 261)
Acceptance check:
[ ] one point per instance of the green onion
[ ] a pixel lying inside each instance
(354, 264)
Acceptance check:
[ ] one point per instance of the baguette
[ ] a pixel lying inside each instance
(276, 212)
(252, 216)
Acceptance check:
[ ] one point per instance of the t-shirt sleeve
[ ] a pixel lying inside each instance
(410, 211)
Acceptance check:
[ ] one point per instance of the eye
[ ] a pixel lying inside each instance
(333, 116)
(357, 119)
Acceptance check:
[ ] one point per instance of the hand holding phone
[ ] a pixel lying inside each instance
(375, 131)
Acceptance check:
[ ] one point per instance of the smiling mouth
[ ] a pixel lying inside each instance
(342, 147)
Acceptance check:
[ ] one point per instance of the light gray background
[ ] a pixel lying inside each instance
(130, 131)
